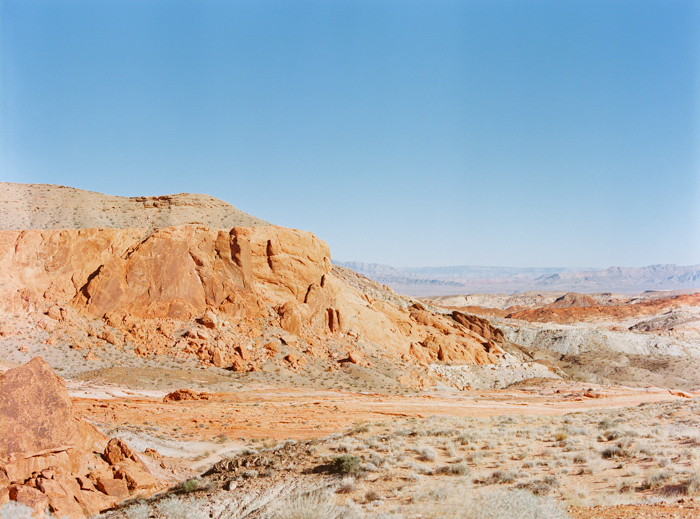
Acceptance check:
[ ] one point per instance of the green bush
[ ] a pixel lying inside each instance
(346, 464)
(189, 486)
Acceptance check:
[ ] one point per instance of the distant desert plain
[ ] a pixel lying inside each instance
(174, 357)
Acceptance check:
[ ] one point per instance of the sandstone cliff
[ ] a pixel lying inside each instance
(221, 296)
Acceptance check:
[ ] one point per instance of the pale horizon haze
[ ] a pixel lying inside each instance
(413, 133)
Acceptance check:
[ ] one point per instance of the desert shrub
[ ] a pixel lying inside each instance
(347, 485)
(311, 505)
(450, 450)
(412, 476)
(466, 438)
(426, 453)
(611, 452)
(376, 459)
(606, 423)
(13, 510)
(613, 434)
(625, 486)
(373, 495)
(510, 504)
(475, 457)
(664, 462)
(177, 508)
(691, 486)
(424, 469)
(655, 479)
(592, 467)
(138, 511)
(359, 428)
(578, 431)
(459, 469)
(189, 486)
(541, 487)
(346, 464)
(625, 443)
(501, 477)
(561, 435)
(580, 458)
(443, 432)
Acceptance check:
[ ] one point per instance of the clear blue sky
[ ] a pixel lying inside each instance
(412, 133)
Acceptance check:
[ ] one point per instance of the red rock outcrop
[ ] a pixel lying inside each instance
(142, 285)
(40, 268)
(185, 394)
(573, 313)
(47, 454)
(572, 299)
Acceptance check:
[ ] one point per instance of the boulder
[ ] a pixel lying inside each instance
(66, 506)
(136, 477)
(290, 318)
(238, 365)
(209, 319)
(29, 496)
(118, 451)
(185, 394)
(94, 502)
(44, 444)
(36, 420)
(116, 488)
(356, 357)
(243, 352)
(218, 358)
(152, 453)
(50, 487)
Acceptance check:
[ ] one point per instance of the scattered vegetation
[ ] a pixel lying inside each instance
(347, 464)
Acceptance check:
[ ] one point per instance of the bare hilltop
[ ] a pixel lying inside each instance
(48, 206)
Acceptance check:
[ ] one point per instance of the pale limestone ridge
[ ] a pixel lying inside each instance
(48, 206)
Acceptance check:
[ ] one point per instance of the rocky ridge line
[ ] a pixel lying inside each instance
(47, 206)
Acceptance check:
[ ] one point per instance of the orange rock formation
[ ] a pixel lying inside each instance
(145, 285)
(49, 457)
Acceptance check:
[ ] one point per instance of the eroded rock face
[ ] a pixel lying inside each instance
(40, 268)
(141, 284)
(35, 413)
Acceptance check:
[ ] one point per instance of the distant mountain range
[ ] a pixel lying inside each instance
(436, 281)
